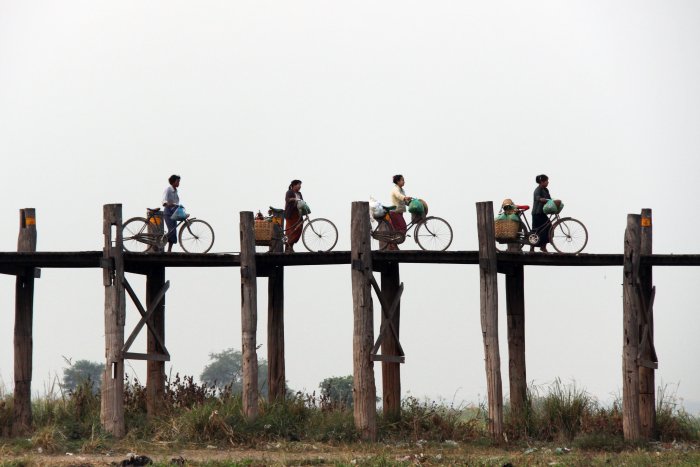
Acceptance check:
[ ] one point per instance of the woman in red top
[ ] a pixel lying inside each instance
(292, 216)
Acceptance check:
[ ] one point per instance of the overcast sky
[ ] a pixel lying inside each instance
(101, 101)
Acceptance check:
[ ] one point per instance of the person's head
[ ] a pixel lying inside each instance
(542, 180)
(398, 180)
(295, 185)
(174, 180)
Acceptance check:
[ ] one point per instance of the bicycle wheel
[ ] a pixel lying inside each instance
(434, 234)
(384, 235)
(319, 235)
(196, 236)
(135, 235)
(568, 235)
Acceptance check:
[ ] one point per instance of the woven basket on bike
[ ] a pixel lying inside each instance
(263, 233)
(506, 229)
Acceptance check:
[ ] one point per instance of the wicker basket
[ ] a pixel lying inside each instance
(506, 229)
(263, 233)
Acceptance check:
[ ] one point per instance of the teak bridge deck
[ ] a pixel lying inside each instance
(639, 356)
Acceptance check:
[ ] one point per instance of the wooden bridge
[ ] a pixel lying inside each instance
(637, 260)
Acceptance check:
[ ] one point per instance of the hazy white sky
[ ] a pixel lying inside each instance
(101, 101)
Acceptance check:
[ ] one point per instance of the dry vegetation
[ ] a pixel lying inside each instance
(204, 426)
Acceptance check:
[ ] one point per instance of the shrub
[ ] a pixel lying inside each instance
(672, 420)
(6, 409)
(429, 420)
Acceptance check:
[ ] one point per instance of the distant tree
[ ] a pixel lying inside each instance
(337, 390)
(226, 368)
(81, 371)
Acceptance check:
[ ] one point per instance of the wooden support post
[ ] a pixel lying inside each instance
(391, 371)
(647, 386)
(24, 316)
(363, 391)
(515, 306)
(155, 376)
(155, 370)
(488, 280)
(630, 325)
(112, 414)
(249, 315)
(276, 377)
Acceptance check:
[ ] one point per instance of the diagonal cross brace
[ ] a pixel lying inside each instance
(388, 314)
(646, 339)
(145, 316)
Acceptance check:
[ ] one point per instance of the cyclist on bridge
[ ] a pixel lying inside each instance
(171, 201)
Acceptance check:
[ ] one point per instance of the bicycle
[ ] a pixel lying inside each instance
(431, 233)
(317, 235)
(194, 236)
(566, 234)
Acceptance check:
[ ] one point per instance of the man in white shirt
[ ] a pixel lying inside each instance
(171, 201)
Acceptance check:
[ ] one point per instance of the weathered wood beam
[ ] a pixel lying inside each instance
(51, 259)
(515, 312)
(149, 357)
(488, 281)
(276, 376)
(112, 410)
(20, 271)
(391, 347)
(145, 314)
(631, 426)
(364, 391)
(249, 316)
(647, 365)
(141, 263)
(23, 339)
(155, 340)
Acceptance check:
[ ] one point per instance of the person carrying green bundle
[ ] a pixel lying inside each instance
(540, 220)
(398, 199)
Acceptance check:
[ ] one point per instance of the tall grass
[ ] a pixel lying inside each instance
(672, 420)
(553, 413)
(204, 415)
(567, 413)
(429, 420)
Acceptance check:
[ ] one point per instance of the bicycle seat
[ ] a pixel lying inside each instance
(153, 210)
(523, 207)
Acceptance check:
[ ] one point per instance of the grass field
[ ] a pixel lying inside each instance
(202, 426)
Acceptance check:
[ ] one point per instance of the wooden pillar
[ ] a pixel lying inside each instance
(488, 280)
(515, 306)
(391, 371)
(630, 326)
(276, 377)
(363, 391)
(112, 414)
(249, 316)
(155, 370)
(647, 386)
(24, 314)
